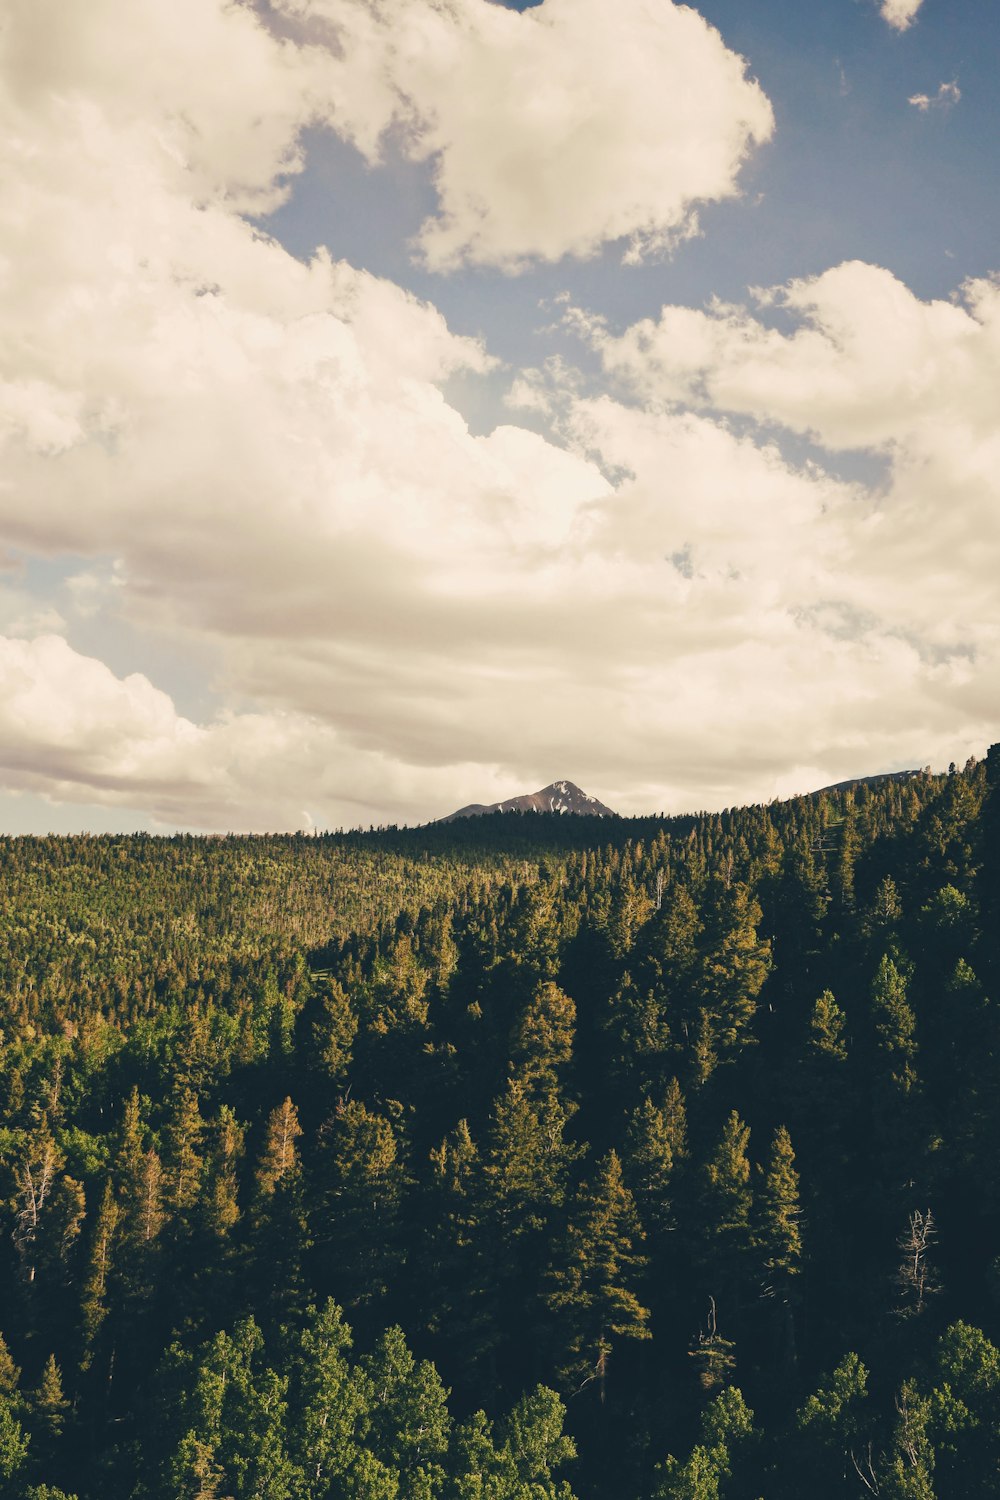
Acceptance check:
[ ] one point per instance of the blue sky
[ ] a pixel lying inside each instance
(405, 402)
(853, 171)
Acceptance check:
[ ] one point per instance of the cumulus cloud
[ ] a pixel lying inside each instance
(947, 96)
(553, 131)
(73, 731)
(900, 14)
(256, 456)
(870, 367)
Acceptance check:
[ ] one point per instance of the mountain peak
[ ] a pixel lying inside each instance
(558, 796)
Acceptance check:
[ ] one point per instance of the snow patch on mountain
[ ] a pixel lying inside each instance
(558, 797)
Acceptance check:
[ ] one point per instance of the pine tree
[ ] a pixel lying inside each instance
(713, 1354)
(731, 974)
(10, 1375)
(826, 1042)
(725, 1209)
(334, 1028)
(357, 1230)
(279, 1156)
(916, 1279)
(94, 1291)
(895, 1025)
(128, 1155)
(779, 1237)
(454, 1255)
(656, 1144)
(47, 1410)
(184, 1163)
(592, 1285)
(529, 1158)
(847, 856)
(542, 1039)
(279, 1236)
(139, 1177)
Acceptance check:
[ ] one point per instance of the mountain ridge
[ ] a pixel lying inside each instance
(559, 797)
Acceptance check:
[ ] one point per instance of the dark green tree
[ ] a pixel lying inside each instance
(592, 1286)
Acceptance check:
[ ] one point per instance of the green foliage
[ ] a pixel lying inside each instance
(826, 1030)
(547, 1076)
(726, 1432)
(835, 1427)
(895, 1024)
(779, 1235)
(13, 1443)
(592, 1288)
(726, 1204)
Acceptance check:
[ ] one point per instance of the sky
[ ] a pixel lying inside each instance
(408, 403)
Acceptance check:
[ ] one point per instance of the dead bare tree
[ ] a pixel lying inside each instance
(865, 1469)
(915, 1278)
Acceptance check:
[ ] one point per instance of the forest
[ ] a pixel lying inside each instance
(521, 1158)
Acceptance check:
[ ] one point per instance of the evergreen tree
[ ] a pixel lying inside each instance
(592, 1286)
(455, 1257)
(47, 1411)
(333, 1031)
(779, 1239)
(725, 1208)
(779, 1236)
(47, 1403)
(10, 1375)
(357, 1231)
(94, 1291)
(826, 1045)
(895, 1025)
(36, 1175)
(733, 969)
(220, 1202)
(529, 1158)
(279, 1156)
(656, 1144)
(184, 1161)
(542, 1039)
(128, 1156)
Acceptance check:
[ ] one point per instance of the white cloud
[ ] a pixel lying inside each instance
(900, 14)
(255, 455)
(199, 83)
(869, 367)
(553, 131)
(947, 96)
(74, 732)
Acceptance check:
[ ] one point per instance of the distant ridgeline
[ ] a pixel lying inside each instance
(520, 1157)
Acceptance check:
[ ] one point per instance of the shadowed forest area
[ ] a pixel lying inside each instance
(524, 1158)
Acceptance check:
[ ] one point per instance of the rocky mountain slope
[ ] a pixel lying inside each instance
(559, 796)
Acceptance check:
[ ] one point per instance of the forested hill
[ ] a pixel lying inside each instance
(530, 1160)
